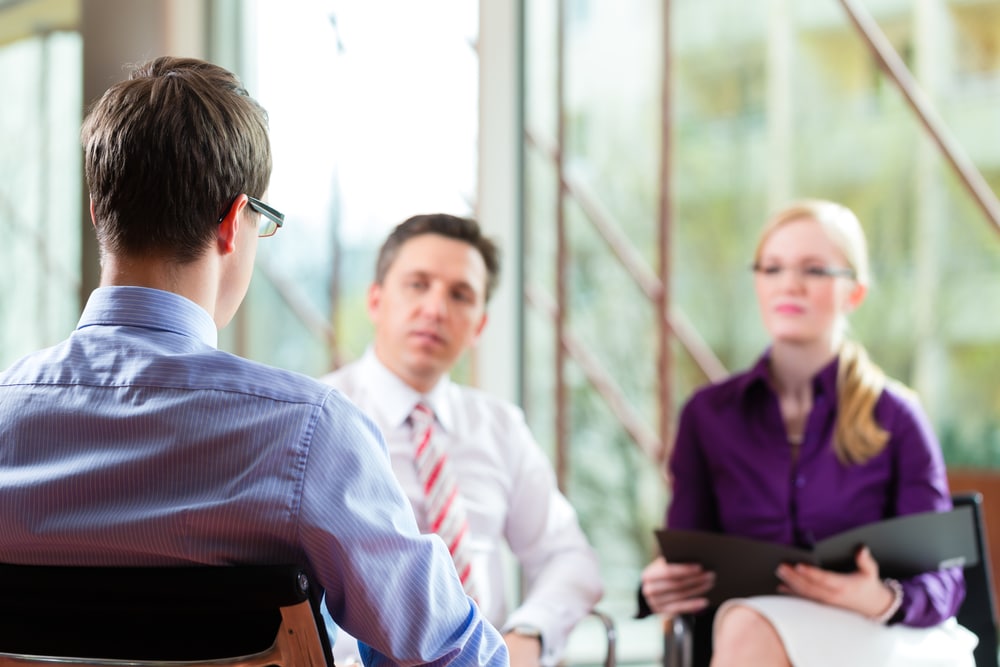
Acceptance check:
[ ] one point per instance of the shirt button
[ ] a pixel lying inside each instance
(800, 482)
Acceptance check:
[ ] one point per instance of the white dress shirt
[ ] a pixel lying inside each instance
(509, 491)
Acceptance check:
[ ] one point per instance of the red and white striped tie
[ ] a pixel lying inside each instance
(445, 509)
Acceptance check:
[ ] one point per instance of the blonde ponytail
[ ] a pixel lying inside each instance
(857, 436)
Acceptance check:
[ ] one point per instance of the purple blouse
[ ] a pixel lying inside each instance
(733, 472)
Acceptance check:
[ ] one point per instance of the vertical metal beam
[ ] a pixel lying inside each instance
(335, 286)
(780, 121)
(664, 362)
(562, 407)
(522, 204)
(46, 234)
(929, 217)
(498, 206)
(152, 30)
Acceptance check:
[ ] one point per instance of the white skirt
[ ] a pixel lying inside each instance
(818, 635)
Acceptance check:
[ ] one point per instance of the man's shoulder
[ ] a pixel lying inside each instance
(23, 370)
(136, 360)
(266, 381)
(173, 381)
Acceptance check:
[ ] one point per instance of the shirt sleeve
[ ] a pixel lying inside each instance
(561, 569)
(930, 598)
(692, 503)
(392, 588)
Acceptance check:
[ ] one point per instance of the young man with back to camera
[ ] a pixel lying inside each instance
(136, 442)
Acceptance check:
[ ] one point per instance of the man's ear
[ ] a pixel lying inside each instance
(374, 299)
(480, 327)
(229, 226)
(93, 216)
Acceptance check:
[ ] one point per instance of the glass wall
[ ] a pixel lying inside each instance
(373, 110)
(39, 191)
(373, 119)
(610, 116)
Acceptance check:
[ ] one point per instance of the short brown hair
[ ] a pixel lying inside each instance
(167, 151)
(449, 226)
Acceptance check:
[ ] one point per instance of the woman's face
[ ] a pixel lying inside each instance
(804, 284)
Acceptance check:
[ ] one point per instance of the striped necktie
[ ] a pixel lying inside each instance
(445, 509)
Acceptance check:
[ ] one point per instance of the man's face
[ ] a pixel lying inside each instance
(429, 309)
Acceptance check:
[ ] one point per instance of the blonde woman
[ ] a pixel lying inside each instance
(809, 442)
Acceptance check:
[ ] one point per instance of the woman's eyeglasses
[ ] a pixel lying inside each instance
(808, 273)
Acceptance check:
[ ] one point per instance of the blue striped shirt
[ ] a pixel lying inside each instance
(137, 442)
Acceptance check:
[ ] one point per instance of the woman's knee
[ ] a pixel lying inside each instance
(742, 636)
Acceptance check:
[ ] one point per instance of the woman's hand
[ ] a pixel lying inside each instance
(861, 591)
(674, 588)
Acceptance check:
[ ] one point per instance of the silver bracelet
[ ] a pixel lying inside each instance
(897, 602)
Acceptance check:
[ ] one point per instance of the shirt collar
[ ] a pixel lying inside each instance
(397, 399)
(825, 382)
(758, 375)
(148, 308)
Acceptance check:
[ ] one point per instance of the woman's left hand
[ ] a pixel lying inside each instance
(861, 591)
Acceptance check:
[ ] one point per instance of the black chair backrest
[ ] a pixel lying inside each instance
(149, 613)
(978, 610)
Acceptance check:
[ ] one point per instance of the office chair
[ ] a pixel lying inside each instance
(611, 634)
(251, 616)
(687, 640)
(978, 610)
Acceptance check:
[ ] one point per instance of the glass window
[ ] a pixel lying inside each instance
(40, 191)
(768, 102)
(373, 119)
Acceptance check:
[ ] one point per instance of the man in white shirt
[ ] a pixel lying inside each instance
(434, 275)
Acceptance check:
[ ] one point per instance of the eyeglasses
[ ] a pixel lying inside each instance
(807, 273)
(273, 217)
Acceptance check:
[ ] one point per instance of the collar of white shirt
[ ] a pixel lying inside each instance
(396, 399)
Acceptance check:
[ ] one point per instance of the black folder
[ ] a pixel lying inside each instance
(903, 546)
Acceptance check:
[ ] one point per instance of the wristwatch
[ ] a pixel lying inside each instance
(527, 631)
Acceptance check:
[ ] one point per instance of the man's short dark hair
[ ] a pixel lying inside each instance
(449, 226)
(167, 151)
